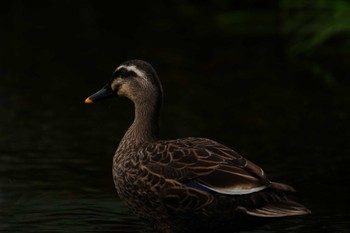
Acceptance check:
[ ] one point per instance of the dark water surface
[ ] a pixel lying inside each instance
(55, 160)
(237, 88)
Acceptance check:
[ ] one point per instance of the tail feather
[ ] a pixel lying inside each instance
(278, 209)
(282, 187)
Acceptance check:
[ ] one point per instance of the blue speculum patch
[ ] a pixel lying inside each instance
(196, 185)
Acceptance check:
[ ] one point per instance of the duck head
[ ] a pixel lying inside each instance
(134, 79)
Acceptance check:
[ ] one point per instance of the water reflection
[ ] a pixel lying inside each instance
(55, 161)
(55, 164)
(66, 212)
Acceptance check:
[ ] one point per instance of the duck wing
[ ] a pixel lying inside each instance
(206, 165)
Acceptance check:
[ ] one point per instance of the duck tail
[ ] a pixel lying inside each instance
(282, 187)
(278, 209)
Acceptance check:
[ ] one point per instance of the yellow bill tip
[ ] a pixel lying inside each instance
(88, 101)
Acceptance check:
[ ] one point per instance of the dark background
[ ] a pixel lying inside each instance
(267, 78)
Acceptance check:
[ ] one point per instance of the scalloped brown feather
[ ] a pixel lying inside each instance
(208, 162)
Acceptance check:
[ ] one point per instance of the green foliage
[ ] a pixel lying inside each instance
(247, 22)
(310, 24)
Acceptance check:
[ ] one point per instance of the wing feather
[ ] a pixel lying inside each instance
(209, 163)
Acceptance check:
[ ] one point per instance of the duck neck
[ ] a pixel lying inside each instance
(145, 127)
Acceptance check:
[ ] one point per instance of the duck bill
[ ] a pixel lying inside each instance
(104, 93)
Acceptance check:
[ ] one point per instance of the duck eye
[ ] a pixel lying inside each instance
(124, 73)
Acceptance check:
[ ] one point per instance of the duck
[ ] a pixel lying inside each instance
(189, 184)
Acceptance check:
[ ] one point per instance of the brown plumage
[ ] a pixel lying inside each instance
(189, 184)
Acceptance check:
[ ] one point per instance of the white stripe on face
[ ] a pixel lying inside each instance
(134, 69)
